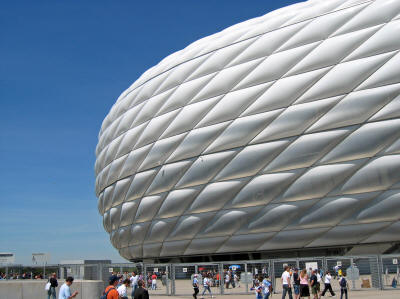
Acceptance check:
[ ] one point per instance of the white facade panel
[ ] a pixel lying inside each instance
(281, 132)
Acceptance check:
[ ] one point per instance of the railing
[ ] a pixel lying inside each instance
(366, 272)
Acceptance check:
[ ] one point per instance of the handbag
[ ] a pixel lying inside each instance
(47, 287)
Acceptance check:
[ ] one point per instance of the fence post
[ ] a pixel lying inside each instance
(324, 264)
(246, 276)
(221, 274)
(145, 275)
(168, 269)
(100, 271)
(173, 280)
(273, 275)
(353, 282)
(380, 271)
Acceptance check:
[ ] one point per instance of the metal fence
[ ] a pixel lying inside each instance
(369, 272)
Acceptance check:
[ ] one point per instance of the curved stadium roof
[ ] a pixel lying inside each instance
(281, 132)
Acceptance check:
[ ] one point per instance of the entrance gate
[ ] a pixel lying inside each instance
(162, 274)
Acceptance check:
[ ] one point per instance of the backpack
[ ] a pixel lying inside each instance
(343, 282)
(271, 289)
(104, 296)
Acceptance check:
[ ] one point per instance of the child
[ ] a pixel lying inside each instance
(259, 290)
(343, 285)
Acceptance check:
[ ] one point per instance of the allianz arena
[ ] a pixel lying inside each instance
(280, 133)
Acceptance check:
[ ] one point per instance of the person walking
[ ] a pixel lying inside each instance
(134, 283)
(111, 290)
(53, 284)
(343, 286)
(286, 283)
(296, 283)
(154, 281)
(328, 285)
(164, 279)
(206, 286)
(123, 289)
(141, 292)
(65, 291)
(314, 284)
(319, 281)
(227, 279)
(267, 287)
(236, 280)
(259, 291)
(195, 283)
(304, 286)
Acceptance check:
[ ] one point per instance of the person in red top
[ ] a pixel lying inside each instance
(154, 281)
(111, 288)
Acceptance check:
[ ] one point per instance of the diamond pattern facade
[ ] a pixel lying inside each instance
(279, 132)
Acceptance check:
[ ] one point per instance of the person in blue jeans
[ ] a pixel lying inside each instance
(267, 287)
(206, 286)
(343, 286)
(296, 283)
(53, 284)
(286, 284)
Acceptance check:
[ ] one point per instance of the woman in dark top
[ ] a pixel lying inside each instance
(296, 283)
(53, 284)
(140, 292)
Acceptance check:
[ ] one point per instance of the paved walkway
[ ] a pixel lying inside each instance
(387, 294)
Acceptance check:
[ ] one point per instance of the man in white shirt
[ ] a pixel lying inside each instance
(65, 291)
(328, 286)
(206, 286)
(123, 289)
(227, 280)
(286, 283)
(134, 283)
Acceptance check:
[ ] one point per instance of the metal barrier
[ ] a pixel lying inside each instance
(157, 278)
(29, 271)
(236, 277)
(80, 271)
(390, 270)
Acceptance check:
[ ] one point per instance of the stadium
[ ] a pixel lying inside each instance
(277, 136)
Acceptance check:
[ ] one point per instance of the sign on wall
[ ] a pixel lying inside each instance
(7, 258)
(312, 265)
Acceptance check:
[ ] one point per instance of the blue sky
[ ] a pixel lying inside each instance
(63, 64)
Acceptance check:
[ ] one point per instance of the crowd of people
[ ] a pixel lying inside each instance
(305, 280)
(20, 276)
(212, 278)
(118, 287)
(262, 286)
(295, 283)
